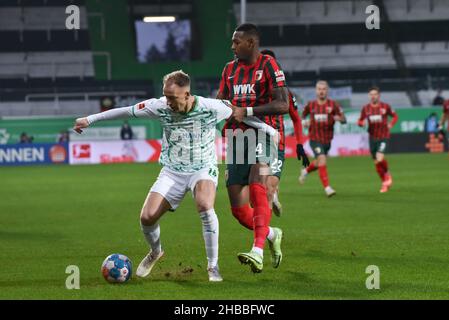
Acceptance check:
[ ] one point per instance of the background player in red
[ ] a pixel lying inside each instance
(377, 113)
(444, 118)
(273, 181)
(256, 85)
(323, 113)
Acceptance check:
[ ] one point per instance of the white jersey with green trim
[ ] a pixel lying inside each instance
(188, 141)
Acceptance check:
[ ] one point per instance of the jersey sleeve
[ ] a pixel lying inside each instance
(223, 88)
(338, 111)
(306, 110)
(148, 109)
(362, 114)
(275, 74)
(393, 114)
(446, 108)
(221, 107)
(296, 119)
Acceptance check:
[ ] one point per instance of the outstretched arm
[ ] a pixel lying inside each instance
(117, 113)
(145, 109)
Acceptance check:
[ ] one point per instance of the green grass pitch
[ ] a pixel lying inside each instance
(55, 216)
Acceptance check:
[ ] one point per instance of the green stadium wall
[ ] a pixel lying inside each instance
(215, 23)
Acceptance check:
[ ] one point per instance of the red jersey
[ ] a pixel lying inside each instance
(446, 112)
(322, 121)
(378, 119)
(296, 119)
(252, 85)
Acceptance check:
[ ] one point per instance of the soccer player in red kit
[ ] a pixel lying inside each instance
(444, 118)
(377, 113)
(323, 113)
(256, 85)
(273, 181)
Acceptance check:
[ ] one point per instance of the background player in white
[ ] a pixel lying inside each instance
(188, 158)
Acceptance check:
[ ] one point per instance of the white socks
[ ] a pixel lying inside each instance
(271, 234)
(153, 236)
(210, 234)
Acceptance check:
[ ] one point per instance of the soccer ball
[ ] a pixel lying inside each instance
(116, 268)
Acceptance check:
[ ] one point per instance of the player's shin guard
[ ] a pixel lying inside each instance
(323, 176)
(153, 236)
(380, 171)
(210, 234)
(262, 213)
(244, 215)
(312, 167)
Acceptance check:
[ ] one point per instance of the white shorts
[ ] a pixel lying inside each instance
(173, 185)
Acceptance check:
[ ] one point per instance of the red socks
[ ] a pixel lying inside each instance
(244, 215)
(262, 213)
(323, 176)
(312, 167)
(382, 169)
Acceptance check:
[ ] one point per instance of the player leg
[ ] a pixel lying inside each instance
(203, 188)
(313, 166)
(273, 183)
(166, 194)
(321, 151)
(381, 164)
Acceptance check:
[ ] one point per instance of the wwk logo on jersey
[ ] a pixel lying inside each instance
(241, 89)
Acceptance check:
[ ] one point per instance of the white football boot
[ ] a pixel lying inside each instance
(148, 263)
(303, 176)
(214, 274)
(329, 191)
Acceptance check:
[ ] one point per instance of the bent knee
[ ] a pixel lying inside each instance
(148, 217)
(204, 205)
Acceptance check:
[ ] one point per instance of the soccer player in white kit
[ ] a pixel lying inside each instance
(188, 158)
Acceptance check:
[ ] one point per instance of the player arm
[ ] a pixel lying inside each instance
(394, 119)
(444, 118)
(339, 114)
(297, 124)
(279, 104)
(361, 121)
(259, 124)
(145, 109)
(225, 110)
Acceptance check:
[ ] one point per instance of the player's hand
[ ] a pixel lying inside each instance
(338, 118)
(80, 124)
(301, 154)
(390, 126)
(238, 114)
(305, 123)
(361, 123)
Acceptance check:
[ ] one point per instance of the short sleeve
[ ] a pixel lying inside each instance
(148, 109)
(223, 88)
(222, 108)
(275, 74)
(363, 114)
(390, 111)
(306, 110)
(337, 109)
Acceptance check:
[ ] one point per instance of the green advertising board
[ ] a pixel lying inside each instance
(45, 130)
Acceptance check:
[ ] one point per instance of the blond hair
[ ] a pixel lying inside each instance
(178, 77)
(322, 82)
